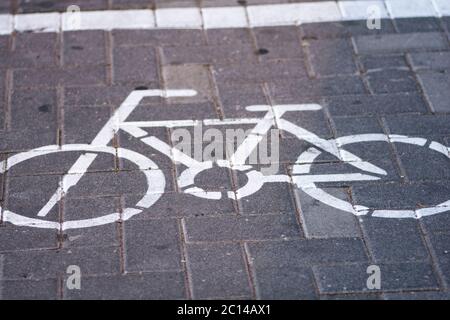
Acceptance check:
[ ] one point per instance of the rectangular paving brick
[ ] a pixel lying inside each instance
(236, 228)
(411, 196)
(13, 238)
(94, 96)
(229, 36)
(431, 60)
(90, 119)
(209, 54)
(394, 240)
(280, 43)
(24, 140)
(254, 72)
(84, 47)
(35, 108)
(408, 102)
(352, 278)
(152, 245)
(331, 57)
(322, 221)
(298, 253)
(382, 62)
(341, 29)
(173, 204)
(410, 25)
(155, 285)
(29, 289)
(407, 42)
(218, 271)
(441, 247)
(165, 38)
(134, 65)
(420, 125)
(37, 265)
(51, 77)
(392, 81)
(304, 91)
(435, 86)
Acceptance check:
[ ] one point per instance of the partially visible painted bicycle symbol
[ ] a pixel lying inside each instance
(301, 172)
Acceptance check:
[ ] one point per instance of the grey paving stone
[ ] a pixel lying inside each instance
(110, 184)
(392, 81)
(47, 264)
(280, 42)
(90, 208)
(35, 108)
(435, 86)
(382, 62)
(31, 50)
(423, 164)
(91, 120)
(237, 228)
(29, 289)
(13, 238)
(259, 72)
(236, 97)
(303, 91)
(134, 65)
(84, 48)
(52, 77)
(283, 283)
(154, 38)
(324, 30)
(174, 205)
(27, 195)
(352, 278)
(98, 95)
(400, 196)
(218, 271)
(410, 25)
(420, 125)
(154, 286)
(60, 163)
(189, 76)
(331, 57)
(313, 121)
(24, 140)
(406, 42)
(271, 198)
(441, 246)
(209, 54)
(229, 36)
(356, 125)
(322, 221)
(394, 240)
(291, 148)
(298, 253)
(174, 111)
(152, 245)
(431, 60)
(379, 104)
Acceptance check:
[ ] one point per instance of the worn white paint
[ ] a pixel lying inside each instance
(179, 18)
(410, 9)
(225, 17)
(358, 10)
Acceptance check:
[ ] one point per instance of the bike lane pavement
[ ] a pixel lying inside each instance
(61, 88)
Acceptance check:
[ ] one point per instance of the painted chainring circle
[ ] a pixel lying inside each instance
(155, 186)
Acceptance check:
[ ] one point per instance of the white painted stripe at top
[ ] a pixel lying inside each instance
(225, 17)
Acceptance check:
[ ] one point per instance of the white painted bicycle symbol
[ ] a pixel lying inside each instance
(300, 176)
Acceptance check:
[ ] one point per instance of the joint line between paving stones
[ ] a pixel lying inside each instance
(189, 290)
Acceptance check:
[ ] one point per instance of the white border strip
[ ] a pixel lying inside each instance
(225, 17)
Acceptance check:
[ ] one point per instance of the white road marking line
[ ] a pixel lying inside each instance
(225, 17)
